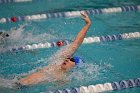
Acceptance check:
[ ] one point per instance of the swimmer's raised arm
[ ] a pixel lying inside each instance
(81, 35)
(79, 38)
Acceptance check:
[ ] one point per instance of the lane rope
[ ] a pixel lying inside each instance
(69, 14)
(114, 86)
(13, 1)
(87, 40)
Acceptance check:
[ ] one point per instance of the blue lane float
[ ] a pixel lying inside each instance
(87, 40)
(66, 14)
(107, 38)
(13, 1)
(111, 38)
(131, 83)
(114, 86)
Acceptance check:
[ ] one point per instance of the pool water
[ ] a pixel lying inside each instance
(104, 62)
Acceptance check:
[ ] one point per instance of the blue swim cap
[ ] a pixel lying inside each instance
(78, 61)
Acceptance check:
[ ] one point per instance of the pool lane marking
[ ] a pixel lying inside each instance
(69, 14)
(107, 38)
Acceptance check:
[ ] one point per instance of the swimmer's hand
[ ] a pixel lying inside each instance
(86, 18)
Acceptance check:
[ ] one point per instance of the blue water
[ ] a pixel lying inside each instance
(104, 62)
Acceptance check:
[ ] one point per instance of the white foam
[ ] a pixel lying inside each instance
(18, 37)
(84, 73)
(5, 83)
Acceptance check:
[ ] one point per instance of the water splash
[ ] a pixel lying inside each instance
(6, 83)
(88, 72)
(19, 36)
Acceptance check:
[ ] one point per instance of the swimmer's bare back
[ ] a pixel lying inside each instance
(55, 71)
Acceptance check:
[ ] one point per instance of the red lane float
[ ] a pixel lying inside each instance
(13, 19)
(60, 43)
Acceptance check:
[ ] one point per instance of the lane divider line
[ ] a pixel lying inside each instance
(69, 14)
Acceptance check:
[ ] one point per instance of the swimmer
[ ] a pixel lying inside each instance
(56, 72)
(3, 36)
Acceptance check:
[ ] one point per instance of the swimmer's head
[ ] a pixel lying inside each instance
(71, 62)
(7, 35)
(4, 35)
